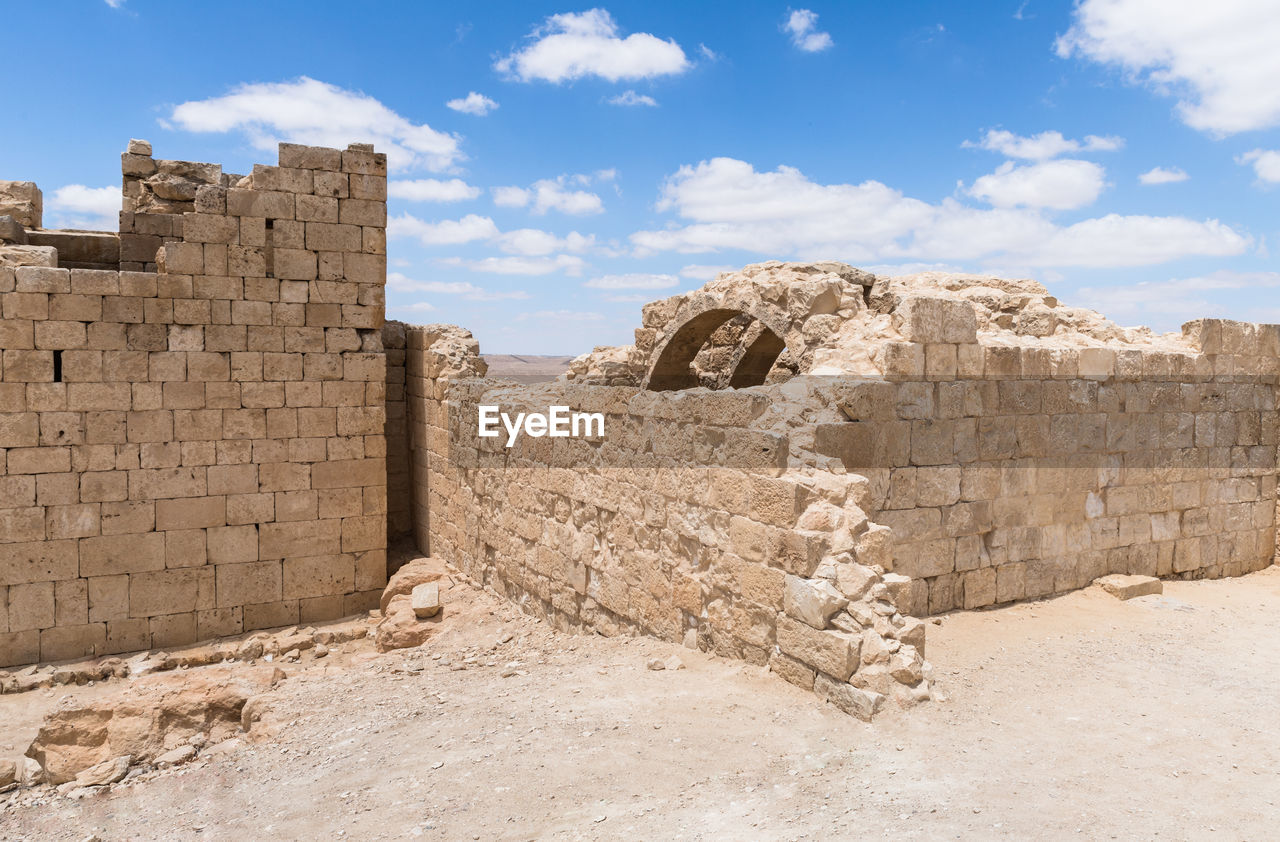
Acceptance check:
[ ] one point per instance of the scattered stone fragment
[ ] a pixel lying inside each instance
(426, 600)
(106, 772)
(656, 664)
(1123, 586)
(8, 772)
(417, 572)
(181, 754)
(141, 720)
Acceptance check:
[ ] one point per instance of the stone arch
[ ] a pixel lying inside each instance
(675, 352)
(757, 358)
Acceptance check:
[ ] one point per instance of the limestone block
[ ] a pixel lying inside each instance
(23, 201)
(811, 601)
(1124, 587)
(833, 652)
(852, 700)
(425, 600)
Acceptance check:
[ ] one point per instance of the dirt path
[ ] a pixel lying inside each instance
(1081, 716)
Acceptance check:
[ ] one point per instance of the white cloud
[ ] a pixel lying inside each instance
(1167, 304)
(92, 208)
(473, 103)
(1219, 59)
(445, 232)
(636, 280)
(316, 113)
(1163, 175)
(561, 316)
(115, 4)
(729, 205)
(803, 26)
(1266, 164)
(511, 197)
(432, 190)
(535, 242)
(552, 194)
(1042, 146)
(1062, 185)
(398, 282)
(632, 98)
(699, 272)
(573, 46)
(569, 264)
(412, 307)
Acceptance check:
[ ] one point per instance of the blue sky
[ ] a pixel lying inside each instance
(554, 166)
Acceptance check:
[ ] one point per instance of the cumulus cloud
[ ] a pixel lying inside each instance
(1266, 164)
(1167, 304)
(632, 98)
(410, 308)
(1041, 146)
(535, 242)
(472, 103)
(78, 206)
(1062, 185)
(700, 272)
(551, 194)
(446, 232)
(637, 280)
(727, 204)
(1163, 175)
(571, 265)
(432, 190)
(561, 316)
(1219, 59)
(319, 114)
(399, 282)
(576, 45)
(802, 25)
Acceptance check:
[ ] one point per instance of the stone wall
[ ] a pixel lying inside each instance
(806, 524)
(197, 450)
(1031, 474)
(684, 522)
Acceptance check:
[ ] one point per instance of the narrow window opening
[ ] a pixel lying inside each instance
(268, 249)
(57, 366)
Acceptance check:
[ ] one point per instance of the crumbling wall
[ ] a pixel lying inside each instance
(683, 522)
(198, 450)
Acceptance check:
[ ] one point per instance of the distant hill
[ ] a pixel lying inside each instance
(527, 368)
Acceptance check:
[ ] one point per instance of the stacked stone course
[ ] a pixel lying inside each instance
(197, 450)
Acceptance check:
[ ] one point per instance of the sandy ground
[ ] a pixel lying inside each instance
(1080, 717)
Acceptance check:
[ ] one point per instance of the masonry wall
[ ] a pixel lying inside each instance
(1020, 473)
(683, 522)
(198, 450)
(999, 474)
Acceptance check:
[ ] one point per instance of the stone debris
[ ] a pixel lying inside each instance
(248, 648)
(156, 714)
(1123, 586)
(418, 571)
(176, 756)
(101, 774)
(8, 772)
(425, 600)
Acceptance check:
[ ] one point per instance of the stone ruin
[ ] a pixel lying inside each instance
(208, 429)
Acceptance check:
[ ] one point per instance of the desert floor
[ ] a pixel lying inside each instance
(1080, 716)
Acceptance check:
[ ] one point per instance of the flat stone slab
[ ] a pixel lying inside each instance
(1123, 586)
(426, 600)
